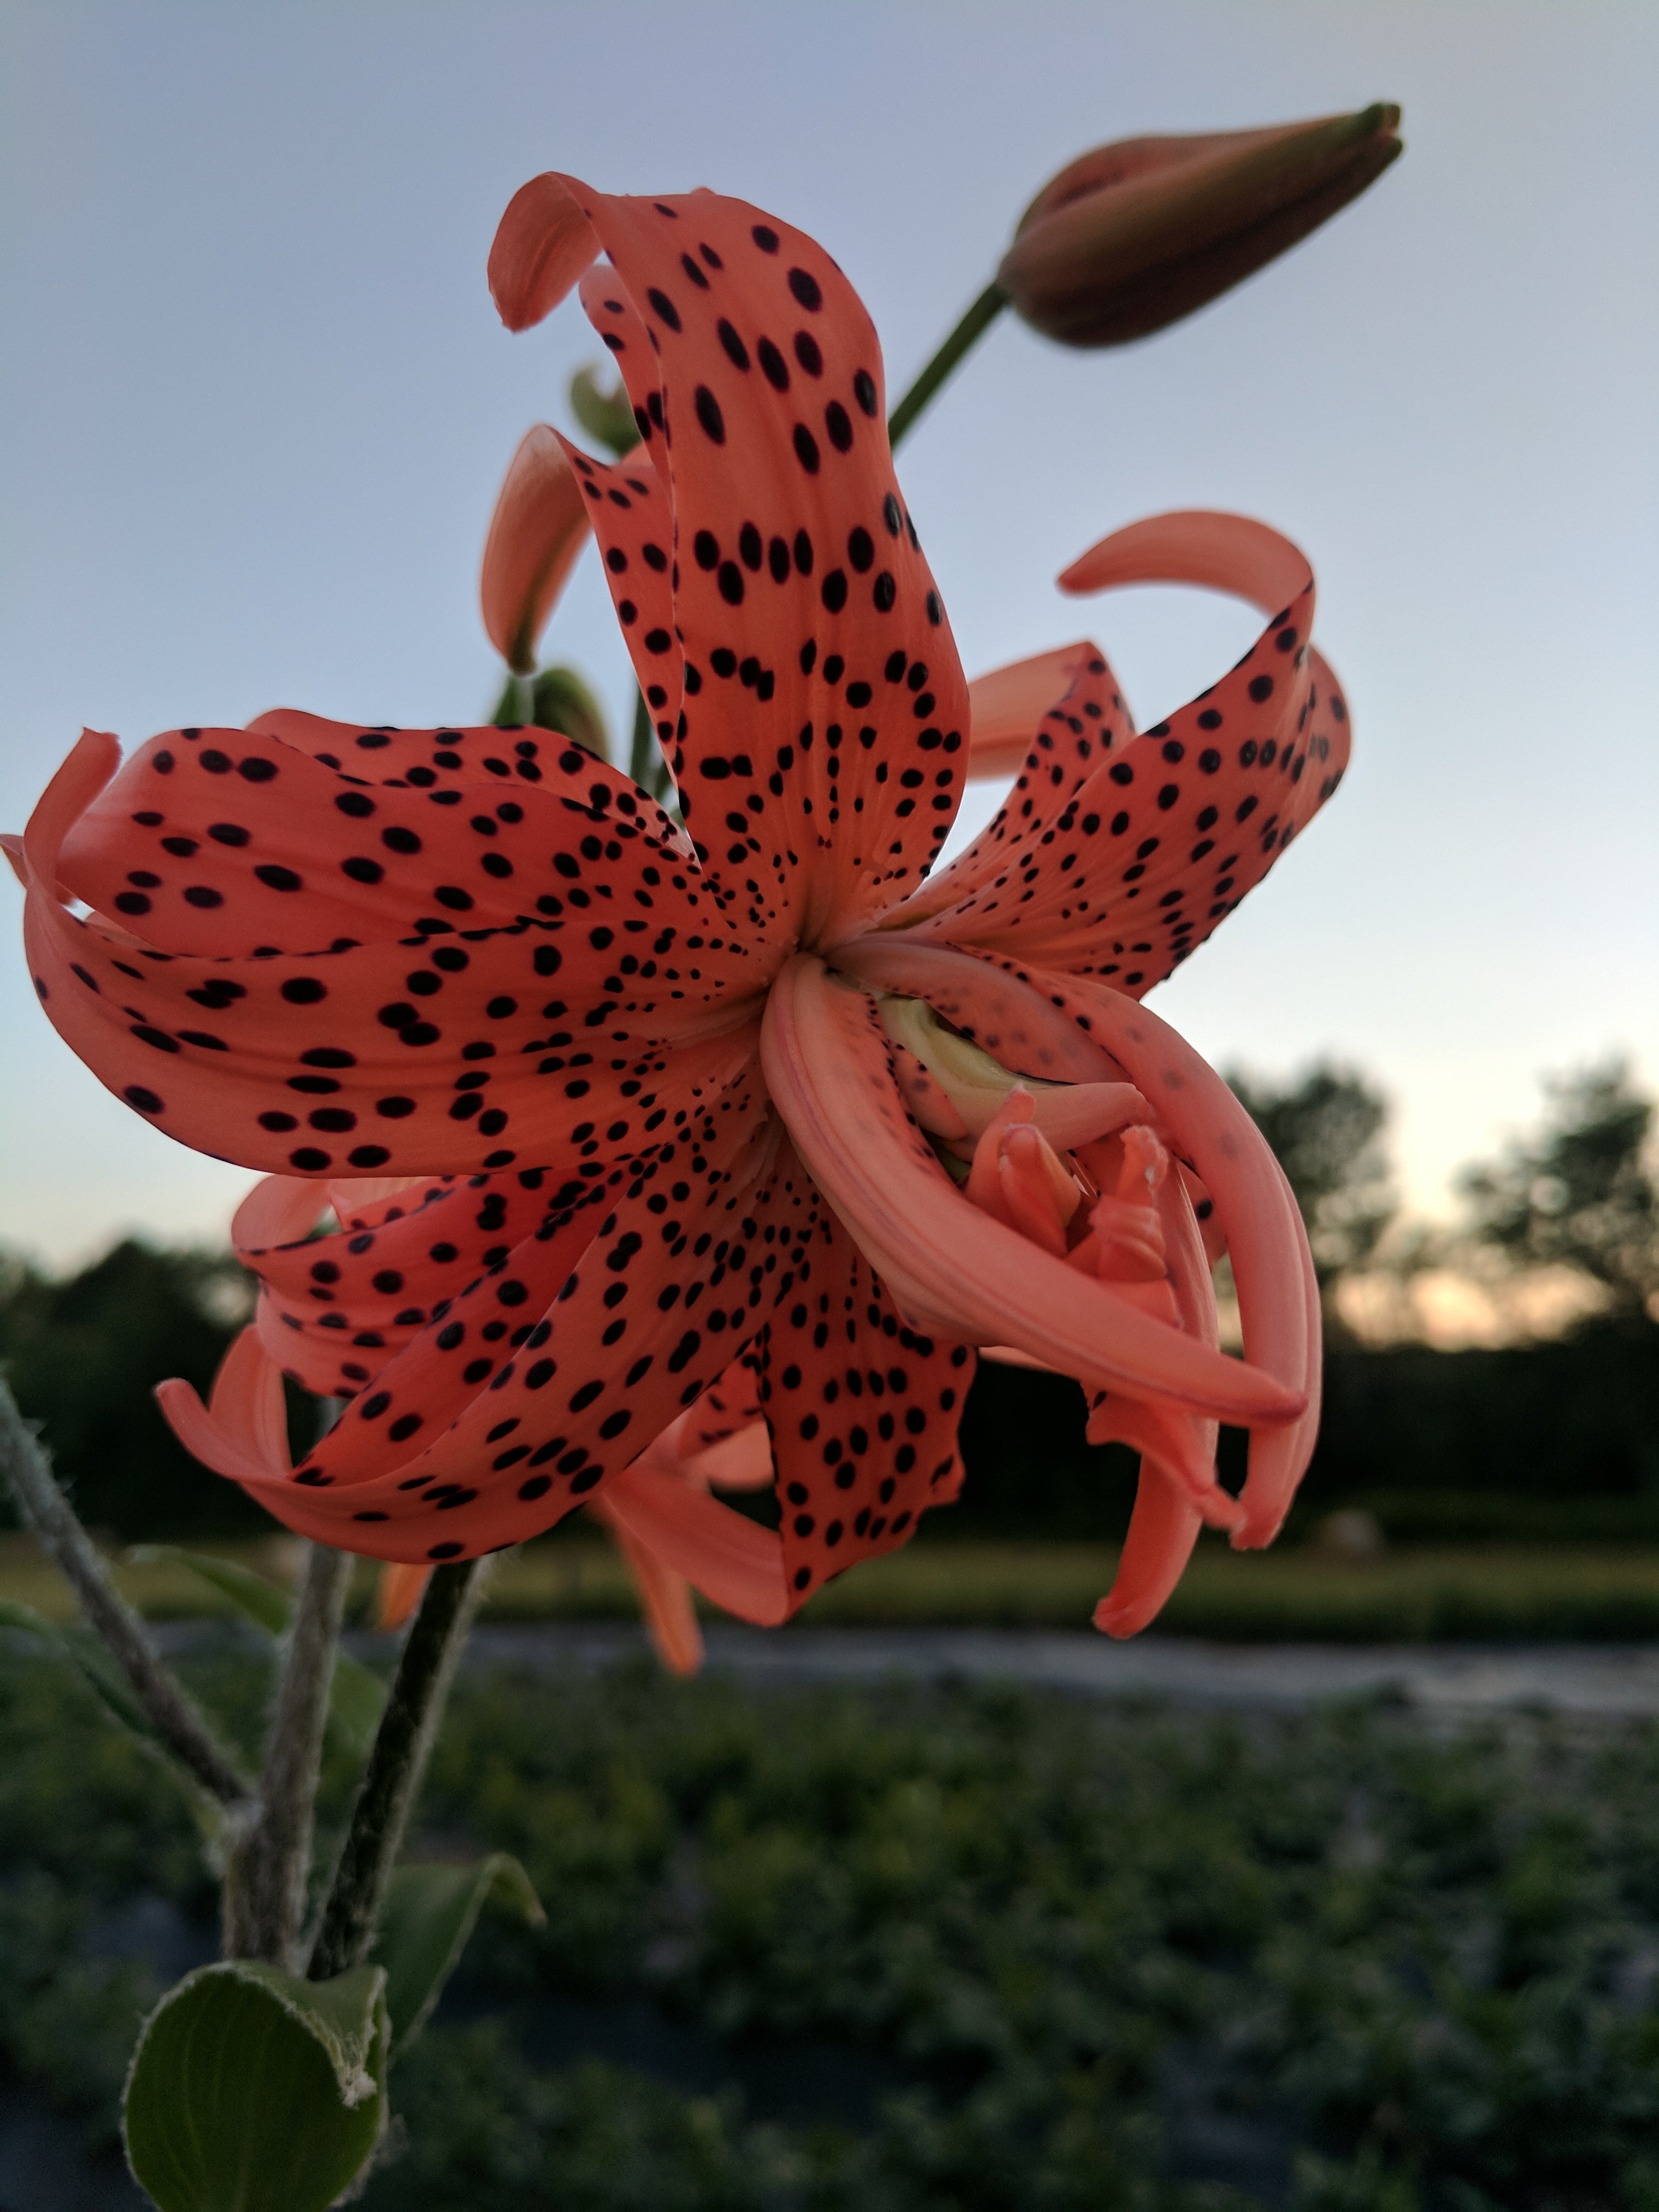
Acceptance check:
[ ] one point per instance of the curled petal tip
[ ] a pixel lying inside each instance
(397, 1593)
(93, 760)
(1205, 546)
(537, 530)
(543, 244)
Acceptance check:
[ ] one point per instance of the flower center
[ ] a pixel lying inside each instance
(1074, 1168)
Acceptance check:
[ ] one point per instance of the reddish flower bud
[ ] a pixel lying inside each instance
(539, 526)
(1135, 236)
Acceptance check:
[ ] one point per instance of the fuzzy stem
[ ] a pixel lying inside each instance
(266, 1874)
(402, 1746)
(173, 1714)
(967, 332)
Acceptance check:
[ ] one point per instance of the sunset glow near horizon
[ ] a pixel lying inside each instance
(258, 405)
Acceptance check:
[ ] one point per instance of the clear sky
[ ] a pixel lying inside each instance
(254, 404)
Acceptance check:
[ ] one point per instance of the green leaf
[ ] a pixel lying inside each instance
(429, 1914)
(357, 1694)
(251, 2091)
(267, 1604)
(607, 417)
(89, 1655)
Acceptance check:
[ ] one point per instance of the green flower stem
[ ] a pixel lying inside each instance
(643, 758)
(173, 1715)
(967, 334)
(402, 1746)
(266, 1873)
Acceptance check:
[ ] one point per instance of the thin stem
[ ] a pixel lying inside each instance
(643, 758)
(174, 1716)
(402, 1745)
(265, 1876)
(967, 332)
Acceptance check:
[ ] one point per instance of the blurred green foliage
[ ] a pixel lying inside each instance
(82, 1354)
(951, 1951)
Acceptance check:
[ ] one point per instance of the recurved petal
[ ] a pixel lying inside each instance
(1206, 546)
(824, 712)
(670, 1618)
(398, 1590)
(1163, 1530)
(1085, 729)
(536, 1386)
(732, 1560)
(536, 534)
(1009, 706)
(1163, 839)
(517, 964)
(241, 1431)
(826, 1065)
(1272, 1269)
(334, 1310)
(542, 245)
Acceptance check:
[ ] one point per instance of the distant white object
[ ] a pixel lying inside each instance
(1352, 1533)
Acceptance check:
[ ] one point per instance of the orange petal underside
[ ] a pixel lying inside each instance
(538, 529)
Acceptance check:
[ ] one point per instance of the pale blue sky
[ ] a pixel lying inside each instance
(254, 404)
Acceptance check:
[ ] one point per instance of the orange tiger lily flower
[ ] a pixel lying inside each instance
(704, 1110)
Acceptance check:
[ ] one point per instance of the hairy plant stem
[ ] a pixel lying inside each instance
(266, 1872)
(967, 334)
(402, 1746)
(173, 1713)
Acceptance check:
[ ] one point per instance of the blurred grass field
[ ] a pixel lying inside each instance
(1426, 1593)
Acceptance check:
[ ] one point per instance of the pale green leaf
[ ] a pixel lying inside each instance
(607, 417)
(357, 1695)
(251, 2091)
(88, 1654)
(429, 1914)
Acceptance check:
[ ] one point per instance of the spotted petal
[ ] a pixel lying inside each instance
(824, 712)
(400, 1022)
(544, 1375)
(539, 527)
(1137, 864)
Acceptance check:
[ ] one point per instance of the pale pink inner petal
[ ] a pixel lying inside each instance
(826, 1065)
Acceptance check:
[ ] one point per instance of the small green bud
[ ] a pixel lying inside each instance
(607, 418)
(561, 701)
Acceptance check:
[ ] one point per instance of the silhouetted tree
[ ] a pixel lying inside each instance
(82, 1355)
(1578, 1192)
(1326, 1132)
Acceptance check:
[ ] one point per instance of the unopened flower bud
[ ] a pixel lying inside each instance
(1135, 236)
(606, 417)
(539, 526)
(561, 701)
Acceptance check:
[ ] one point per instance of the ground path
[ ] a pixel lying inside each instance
(1612, 1680)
